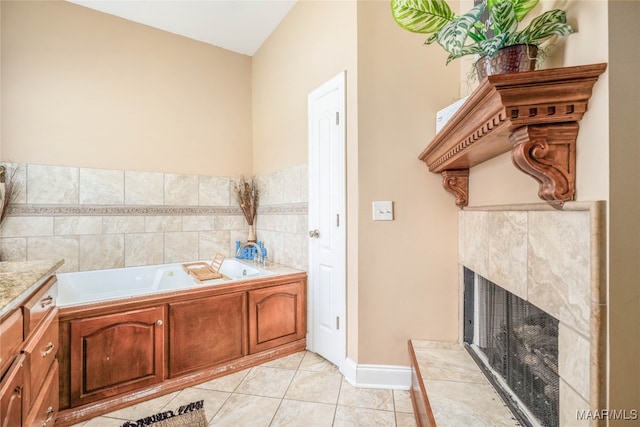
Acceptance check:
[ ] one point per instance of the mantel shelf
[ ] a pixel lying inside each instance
(533, 114)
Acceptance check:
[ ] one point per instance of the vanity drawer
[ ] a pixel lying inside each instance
(45, 406)
(11, 333)
(41, 303)
(41, 350)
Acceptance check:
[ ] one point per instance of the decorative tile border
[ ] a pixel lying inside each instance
(99, 210)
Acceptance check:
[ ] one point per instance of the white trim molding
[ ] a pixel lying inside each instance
(377, 376)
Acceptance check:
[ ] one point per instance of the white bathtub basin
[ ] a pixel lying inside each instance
(99, 285)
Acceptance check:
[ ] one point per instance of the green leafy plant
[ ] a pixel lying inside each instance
(466, 34)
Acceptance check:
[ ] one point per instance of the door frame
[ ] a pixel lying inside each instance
(338, 83)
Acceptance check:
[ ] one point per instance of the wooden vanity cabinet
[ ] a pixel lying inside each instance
(116, 353)
(30, 343)
(206, 332)
(277, 315)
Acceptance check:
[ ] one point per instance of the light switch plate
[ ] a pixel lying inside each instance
(383, 211)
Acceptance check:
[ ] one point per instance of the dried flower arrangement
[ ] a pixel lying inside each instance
(9, 191)
(246, 191)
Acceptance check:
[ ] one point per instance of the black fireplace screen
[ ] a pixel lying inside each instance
(520, 343)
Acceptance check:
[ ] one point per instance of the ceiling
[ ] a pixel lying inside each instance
(237, 25)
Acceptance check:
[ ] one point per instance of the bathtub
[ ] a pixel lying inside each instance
(100, 285)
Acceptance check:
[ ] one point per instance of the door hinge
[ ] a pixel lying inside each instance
(337, 118)
(337, 322)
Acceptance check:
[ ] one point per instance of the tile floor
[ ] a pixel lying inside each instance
(302, 389)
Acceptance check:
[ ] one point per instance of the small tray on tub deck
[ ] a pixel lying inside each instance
(201, 271)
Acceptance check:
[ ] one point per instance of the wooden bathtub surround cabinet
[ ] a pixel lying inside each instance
(117, 353)
(28, 365)
(533, 114)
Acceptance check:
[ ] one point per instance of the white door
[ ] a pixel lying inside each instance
(327, 221)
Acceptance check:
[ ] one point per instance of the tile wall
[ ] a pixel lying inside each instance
(99, 219)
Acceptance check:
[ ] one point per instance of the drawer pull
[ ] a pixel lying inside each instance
(50, 413)
(46, 301)
(47, 351)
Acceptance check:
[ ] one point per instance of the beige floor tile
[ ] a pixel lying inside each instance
(313, 362)
(288, 362)
(365, 397)
(320, 387)
(228, 383)
(363, 417)
(293, 413)
(402, 401)
(405, 420)
(242, 410)
(265, 381)
(103, 422)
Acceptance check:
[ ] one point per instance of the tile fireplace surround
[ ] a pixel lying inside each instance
(555, 260)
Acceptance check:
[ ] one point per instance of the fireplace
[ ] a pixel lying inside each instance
(548, 263)
(516, 345)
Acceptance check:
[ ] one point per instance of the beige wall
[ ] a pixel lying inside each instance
(624, 204)
(82, 88)
(315, 41)
(391, 109)
(408, 267)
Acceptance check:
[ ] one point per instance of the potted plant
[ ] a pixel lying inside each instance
(467, 34)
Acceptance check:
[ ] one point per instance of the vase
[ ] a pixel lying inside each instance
(510, 59)
(252, 234)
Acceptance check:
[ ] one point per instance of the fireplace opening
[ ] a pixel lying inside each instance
(516, 345)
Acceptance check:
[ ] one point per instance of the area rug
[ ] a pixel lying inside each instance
(190, 415)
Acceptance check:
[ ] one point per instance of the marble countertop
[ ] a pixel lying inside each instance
(18, 279)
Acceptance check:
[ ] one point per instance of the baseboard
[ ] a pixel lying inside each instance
(377, 376)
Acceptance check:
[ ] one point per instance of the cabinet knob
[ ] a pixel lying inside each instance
(314, 233)
(159, 323)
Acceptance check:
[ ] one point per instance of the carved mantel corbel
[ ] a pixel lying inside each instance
(548, 154)
(456, 182)
(534, 114)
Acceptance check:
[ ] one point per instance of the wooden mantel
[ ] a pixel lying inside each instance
(533, 114)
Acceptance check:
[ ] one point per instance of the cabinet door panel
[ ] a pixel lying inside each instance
(116, 353)
(206, 332)
(277, 316)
